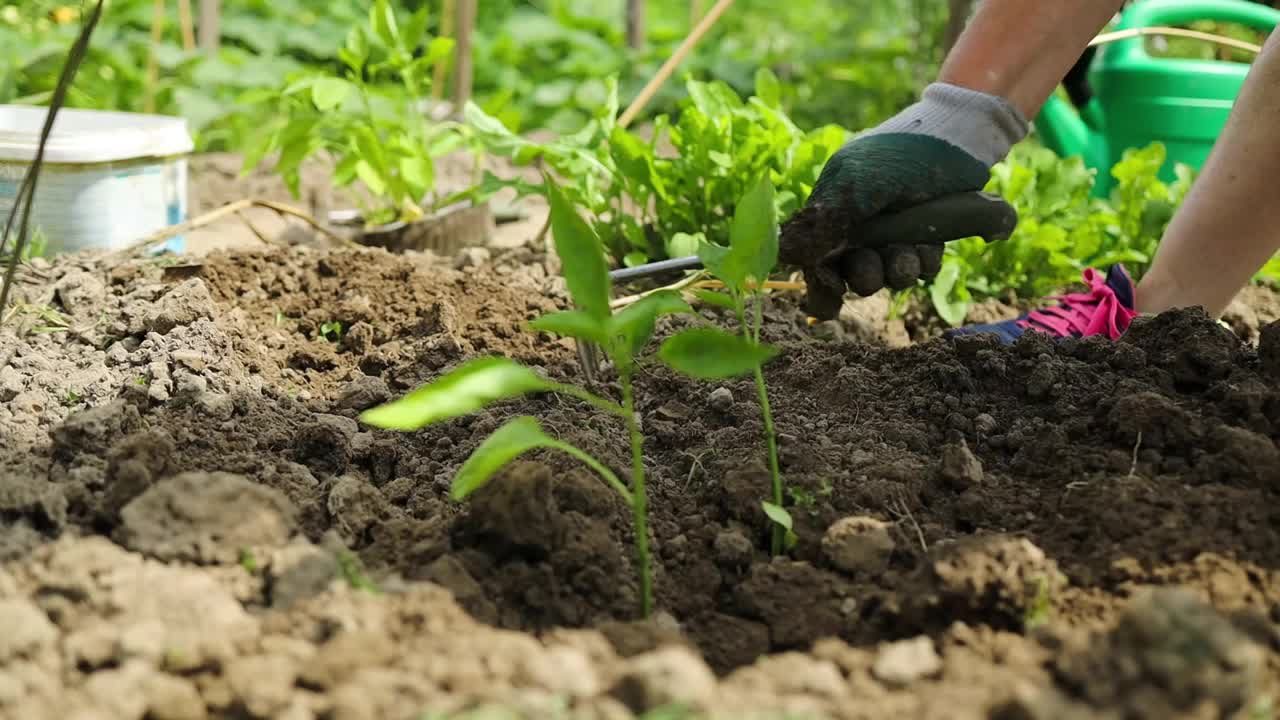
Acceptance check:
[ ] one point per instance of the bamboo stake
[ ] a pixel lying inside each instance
(233, 208)
(635, 24)
(153, 63)
(210, 25)
(188, 25)
(462, 70)
(669, 66)
(448, 16)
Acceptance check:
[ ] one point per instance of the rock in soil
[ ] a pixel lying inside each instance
(859, 545)
(194, 522)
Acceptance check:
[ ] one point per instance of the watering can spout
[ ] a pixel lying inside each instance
(1065, 131)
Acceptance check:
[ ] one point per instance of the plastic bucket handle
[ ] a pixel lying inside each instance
(1178, 12)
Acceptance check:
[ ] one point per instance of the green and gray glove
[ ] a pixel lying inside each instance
(945, 143)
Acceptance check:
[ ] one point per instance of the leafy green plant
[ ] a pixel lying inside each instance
(367, 118)
(1061, 228)
(709, 353)
(480, 383)
(646, 203)
(331, 331)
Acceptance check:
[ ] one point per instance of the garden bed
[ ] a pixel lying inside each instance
(196, 524)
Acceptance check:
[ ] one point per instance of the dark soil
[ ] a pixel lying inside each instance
(1081, 529)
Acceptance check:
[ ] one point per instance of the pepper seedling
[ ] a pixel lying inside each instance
(709, 353)
(479, 383)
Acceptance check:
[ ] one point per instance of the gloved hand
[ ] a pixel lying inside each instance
(945, 143)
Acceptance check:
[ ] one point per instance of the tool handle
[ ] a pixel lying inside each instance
(941, 220)
(691, 262)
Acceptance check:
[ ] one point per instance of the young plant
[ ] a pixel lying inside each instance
(479, 383)
(711, 354)
(368, 118)
(646, 203)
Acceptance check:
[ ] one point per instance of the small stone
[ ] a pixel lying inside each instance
(733, 549)
(859, 545)
(26, 629)
(904, 662)
(670, 675)
(80, 292)
(298, 571)
(960, 468)
(262, 683)
(363, 393)
(345, 425)
(93, 647)
(172, 698)
(193, 359)
(206, 518)
(217, 406)
(985, 424)
(721, 399)
(183, 305)
(471, 257)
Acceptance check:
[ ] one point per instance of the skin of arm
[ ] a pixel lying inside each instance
(1021, 49)
(1229, 224)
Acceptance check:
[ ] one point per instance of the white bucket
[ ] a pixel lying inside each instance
(108, 179)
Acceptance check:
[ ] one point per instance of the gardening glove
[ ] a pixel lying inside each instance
(945, 143)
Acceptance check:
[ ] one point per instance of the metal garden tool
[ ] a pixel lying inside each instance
(930, 224)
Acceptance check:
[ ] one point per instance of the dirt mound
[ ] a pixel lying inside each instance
(979, 526)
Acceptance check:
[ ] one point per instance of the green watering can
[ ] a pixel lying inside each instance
(1139, 99)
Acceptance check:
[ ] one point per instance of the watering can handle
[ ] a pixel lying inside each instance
(1177, 12)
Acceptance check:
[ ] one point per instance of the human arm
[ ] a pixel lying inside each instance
(1002, 69)
(1021, 49)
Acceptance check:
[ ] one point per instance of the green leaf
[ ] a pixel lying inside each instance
(419, 172)
(713, 354)
(416, 28)
(382, 17)
(719, 299)
(715, 258)
(684, 244)
(462, 391)
(438, 49)
(753, 236)
(329, 92)
(778, 514)
(371, 177)
(952, 311)
(514, 438)
(581, 255)
(633, 325)
(768, 89)
(572, 323)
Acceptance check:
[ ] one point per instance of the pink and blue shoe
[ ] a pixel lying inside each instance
(1106, 309)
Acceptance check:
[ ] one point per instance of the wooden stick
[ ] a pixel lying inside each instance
(153, 63)
(233, 208)
(669, 66)
(188, 25)
(448, 15)
(462, 69)
(635, 24)
(210, 25)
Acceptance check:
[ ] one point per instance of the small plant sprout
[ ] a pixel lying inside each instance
(479, 383)
(331, 331)
(712, 354)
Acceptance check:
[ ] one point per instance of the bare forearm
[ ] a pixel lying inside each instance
(1021, 49)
